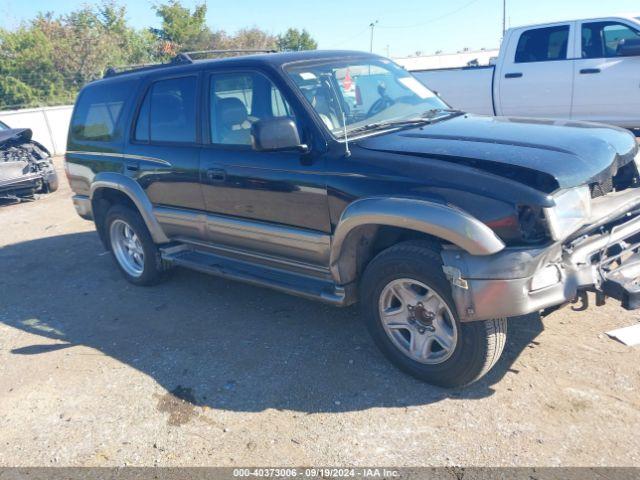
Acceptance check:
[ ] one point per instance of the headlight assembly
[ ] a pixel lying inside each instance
(572, 210)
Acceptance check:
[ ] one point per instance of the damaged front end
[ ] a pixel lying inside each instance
(25, 166)
(603, 258)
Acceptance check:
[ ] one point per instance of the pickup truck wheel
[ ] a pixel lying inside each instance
(132, 246)
(411, 316)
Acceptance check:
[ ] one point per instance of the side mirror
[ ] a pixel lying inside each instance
(629, 47)
(276, 134)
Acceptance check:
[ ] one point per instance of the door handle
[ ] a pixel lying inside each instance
(216, 175)
(589, 71)
(132, 166)
(513, 75)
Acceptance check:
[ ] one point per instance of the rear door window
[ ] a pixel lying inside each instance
(98, 112)
(168, 112)
(543, 45)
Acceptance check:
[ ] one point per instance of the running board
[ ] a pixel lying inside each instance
(261, 275)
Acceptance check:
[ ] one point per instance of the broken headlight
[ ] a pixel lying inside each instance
(572, 210)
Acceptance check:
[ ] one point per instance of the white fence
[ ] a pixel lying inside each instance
(448, 60)
(49, 124)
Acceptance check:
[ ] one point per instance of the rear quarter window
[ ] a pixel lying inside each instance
(99, 110)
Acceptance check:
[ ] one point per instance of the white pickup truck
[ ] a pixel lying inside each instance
(579, 69)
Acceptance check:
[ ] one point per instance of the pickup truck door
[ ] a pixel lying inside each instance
(535, 75)
(607, 85)
(259, 195)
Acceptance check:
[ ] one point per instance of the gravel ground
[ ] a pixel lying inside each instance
(202, 371)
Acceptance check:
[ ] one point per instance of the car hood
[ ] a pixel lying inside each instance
(545, 154)
(22, 134)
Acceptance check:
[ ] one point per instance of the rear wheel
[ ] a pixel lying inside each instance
(132, 247)
(411, 316)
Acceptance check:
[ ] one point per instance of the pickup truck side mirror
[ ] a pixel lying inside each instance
(629, 47)
(276, 134)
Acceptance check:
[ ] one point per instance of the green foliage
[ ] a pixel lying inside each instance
(48, 59)
(15, 92)
(250, 38)
(294, 40)
(27, 69)
(181, 29)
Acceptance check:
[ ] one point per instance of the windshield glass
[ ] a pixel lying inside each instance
(371, 93)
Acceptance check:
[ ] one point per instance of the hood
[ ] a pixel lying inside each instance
(21, 134)
(545, 154)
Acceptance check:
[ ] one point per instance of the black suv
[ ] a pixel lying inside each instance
(338, 176)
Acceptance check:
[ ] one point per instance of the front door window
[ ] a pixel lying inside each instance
(237, 100)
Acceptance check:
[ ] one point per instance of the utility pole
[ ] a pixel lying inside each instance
(372, 26)
(504, 17)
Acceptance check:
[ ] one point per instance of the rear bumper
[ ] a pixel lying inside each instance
(82, 204)
(519, 281)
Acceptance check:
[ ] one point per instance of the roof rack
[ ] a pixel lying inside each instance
(183, 58)
(188, 56)
(113, 71)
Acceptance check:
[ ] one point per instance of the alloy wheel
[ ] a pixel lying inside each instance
(418, 321)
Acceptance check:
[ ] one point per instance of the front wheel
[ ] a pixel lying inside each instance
(411, 316)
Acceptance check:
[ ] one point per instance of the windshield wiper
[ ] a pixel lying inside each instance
(434, 112)
(425, 118)
(390, 124)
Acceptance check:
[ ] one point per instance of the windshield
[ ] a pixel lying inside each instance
(3, 126)
(370, 93)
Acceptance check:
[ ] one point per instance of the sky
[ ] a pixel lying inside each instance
(404, 26)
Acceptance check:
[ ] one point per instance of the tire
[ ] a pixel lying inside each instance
(50, 182)
(437, 349)
(146, 268)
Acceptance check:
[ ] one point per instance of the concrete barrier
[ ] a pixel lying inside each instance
(50, 125)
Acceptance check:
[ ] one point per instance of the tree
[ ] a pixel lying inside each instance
(48, 59)
(27, 69)
(133, 47)
(14, 93)
(181, 29)
(294, 39)
(252, 38)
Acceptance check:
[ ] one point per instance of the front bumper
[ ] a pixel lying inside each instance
(518, 281)
(17, 180)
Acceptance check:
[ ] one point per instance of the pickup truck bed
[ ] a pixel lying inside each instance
(464, 88)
